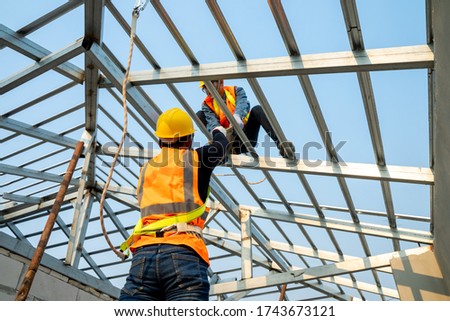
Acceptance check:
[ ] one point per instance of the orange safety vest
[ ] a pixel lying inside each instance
(230, 100)
(167, 187)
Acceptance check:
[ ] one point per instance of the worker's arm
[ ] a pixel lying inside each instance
(242, 103)
(210, 156)
(212, 121)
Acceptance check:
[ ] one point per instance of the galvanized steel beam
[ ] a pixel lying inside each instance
(355, 265)
(408, 57)
(34, 51)
(44, 64)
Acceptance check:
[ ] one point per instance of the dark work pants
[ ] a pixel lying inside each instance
(256, 119)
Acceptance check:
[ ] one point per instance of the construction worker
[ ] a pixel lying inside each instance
(170, 258)
(250, 121)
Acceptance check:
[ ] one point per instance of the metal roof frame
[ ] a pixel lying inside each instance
(240, 237)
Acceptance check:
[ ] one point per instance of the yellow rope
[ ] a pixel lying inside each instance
(124, 133)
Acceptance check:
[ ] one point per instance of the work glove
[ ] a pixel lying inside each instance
(227, 132)
(221, 129)
(239, 120)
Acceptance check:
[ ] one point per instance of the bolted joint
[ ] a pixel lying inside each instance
(244, 214)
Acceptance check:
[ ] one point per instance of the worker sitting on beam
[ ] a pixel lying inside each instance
(250, 120)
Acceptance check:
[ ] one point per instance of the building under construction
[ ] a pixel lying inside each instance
(361, 89)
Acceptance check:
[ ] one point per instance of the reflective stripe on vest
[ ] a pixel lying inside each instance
(168, 192)
(151, 229)
(165, 162)
(230, 100)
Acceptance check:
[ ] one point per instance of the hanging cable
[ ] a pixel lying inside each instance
(139, 6)
(249, 183)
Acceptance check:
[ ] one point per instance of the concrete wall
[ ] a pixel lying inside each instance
(54, 281)
(441, 133)
(419, 278)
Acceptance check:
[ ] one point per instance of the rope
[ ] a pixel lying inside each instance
(124, 133)
(249, 183)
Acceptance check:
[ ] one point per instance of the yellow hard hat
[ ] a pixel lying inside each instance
(202, 83)
(174, 123)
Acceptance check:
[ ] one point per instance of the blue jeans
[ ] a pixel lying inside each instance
(166, 272)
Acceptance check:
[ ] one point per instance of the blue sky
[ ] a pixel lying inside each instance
(401, 96)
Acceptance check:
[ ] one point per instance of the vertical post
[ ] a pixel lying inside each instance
(246, 241)
(441, 136)
(39, 252)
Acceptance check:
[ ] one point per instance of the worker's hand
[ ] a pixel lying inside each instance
(239, 120)
(221, 129)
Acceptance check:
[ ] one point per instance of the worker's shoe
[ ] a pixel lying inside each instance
(287, 149)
